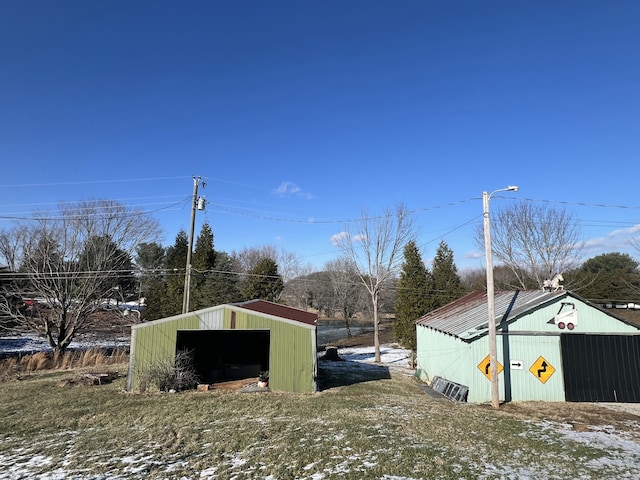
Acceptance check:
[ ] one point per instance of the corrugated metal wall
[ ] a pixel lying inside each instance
(529, 351)
(292, 362)
(601, 368)
(466, 363)
(212, 319)
(532, 368)
(154, 342)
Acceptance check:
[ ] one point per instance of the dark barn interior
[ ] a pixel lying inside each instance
(223, 355)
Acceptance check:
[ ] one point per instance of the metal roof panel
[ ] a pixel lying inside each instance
(467, 317)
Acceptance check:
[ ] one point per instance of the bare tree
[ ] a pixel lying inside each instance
(246, 259)
(299, 291)
(68, 260)
(635, 241)
(374, 247)
(346, 288)
(291, 266)
(534, 242)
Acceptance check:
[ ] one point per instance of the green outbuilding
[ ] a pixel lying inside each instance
(233, 341)
(551, 346)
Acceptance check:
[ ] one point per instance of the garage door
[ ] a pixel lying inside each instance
(601, 368)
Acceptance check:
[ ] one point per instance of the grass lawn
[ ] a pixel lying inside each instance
(368, 422)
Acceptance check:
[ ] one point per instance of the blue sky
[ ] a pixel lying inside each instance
(299, 115)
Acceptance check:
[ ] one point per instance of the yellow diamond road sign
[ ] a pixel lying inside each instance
(485, 367)
(542, 369)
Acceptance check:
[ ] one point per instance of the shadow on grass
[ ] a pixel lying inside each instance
(332, 374)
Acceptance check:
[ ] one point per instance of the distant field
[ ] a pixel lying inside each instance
(368, 422)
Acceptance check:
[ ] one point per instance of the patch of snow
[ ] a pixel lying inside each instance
(208, 472)
(390, 355)
(28, 344)
(394, 477)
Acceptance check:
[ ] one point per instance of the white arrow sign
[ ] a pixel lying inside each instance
(516, 364)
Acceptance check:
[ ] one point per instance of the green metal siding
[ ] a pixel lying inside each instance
(457, 361)
(590, 320)
(441, 355)
(153, 343)
(521, 384)
(526, 340)
(292, 351)
(292, 345)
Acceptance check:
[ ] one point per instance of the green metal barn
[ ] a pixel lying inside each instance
(233, 341)
(552, 346)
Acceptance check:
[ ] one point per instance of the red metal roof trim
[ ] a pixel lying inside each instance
(281, 311)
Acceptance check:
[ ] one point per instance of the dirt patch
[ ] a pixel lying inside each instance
(89, 379)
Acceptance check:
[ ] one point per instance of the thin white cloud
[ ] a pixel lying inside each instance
(358, 238)
(473, 254)
(338, 238)
(615, 240)
(341, 237)
(290, 188)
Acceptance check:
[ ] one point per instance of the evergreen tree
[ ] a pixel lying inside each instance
(202, 265)
(213, 281)
(176, 264)
(263, 282)
(204, 255)
(608, 277)
(447, 285)
(222, 284)
(154, 294)
(413, 297)
(150, 260)
(150, 256)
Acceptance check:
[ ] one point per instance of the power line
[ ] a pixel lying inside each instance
(89, 182)
(74, 202)
(125, 212)
(584, 204)
(311, 220)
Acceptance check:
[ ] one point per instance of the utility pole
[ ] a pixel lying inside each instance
(493, 347)
(196, 204)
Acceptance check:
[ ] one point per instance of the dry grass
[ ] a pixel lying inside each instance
(378, 427)
(18, 367)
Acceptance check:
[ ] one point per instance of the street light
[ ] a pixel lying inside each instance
(493, 349)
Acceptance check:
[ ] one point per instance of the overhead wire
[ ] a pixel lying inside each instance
(309, 219)
(89, 182)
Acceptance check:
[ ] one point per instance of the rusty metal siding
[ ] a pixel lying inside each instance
(279, 310)
(468, 319)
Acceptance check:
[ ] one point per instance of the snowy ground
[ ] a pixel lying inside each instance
(390, 355)
(27, 344)
(622, 459)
